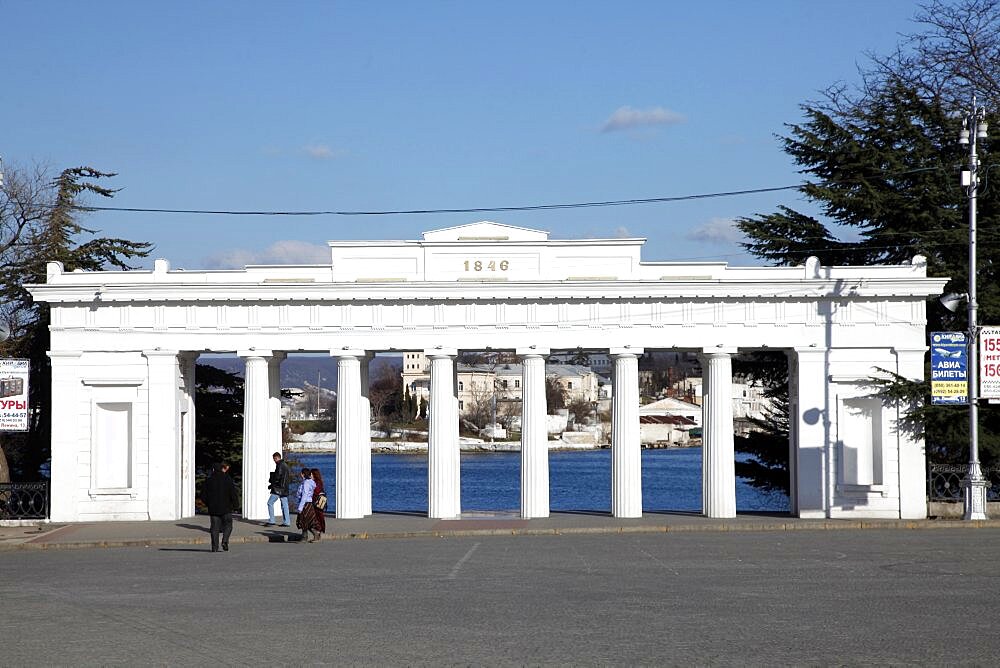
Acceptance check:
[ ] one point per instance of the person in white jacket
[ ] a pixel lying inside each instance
(306, 510)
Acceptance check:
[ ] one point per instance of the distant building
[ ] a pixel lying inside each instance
(749, 402)
(668, 420)
(597, 361)
(479, 383)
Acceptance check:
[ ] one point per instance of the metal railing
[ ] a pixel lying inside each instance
(944, 482)
(24, 501)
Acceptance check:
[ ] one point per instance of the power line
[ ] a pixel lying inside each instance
(499, 209)
(533, 207)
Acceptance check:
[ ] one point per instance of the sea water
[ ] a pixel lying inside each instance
(578, 481)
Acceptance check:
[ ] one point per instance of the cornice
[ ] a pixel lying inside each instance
(570, 290)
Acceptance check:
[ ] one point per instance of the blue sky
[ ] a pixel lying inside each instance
(425, 105)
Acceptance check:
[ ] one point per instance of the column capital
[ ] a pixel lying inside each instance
(279, 356)
(440, 352)
(720, 350)
(64, 356)
(254, 352)
(907, 351)
(348, 352)
(532, 350)
(626, 350)
(157, 353)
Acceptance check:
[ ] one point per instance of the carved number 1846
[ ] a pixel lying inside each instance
(492, 265)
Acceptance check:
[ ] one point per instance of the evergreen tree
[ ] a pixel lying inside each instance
(39, 223)
(767, 445)
(883, 170)
(218, 418)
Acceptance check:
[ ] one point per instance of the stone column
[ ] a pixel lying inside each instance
(188, 362)
(793, 462)
(912, 457)
(809, 424)
(718, 466)
(64, 474)
(274, 401)
(366, 435)
(444, 488)
(164, 458)
(534, 436)
(350, 447)
(257, 462)
(626, 453)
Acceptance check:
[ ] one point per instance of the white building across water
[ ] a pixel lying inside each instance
(125, 343)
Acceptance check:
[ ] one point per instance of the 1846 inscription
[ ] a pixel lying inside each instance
(487, 265)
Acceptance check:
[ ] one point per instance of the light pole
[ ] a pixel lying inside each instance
(973, 128)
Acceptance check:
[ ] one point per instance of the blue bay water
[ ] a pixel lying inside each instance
(578, 481)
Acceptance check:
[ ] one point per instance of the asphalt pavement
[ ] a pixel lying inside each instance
(194, 531)
(751, 595)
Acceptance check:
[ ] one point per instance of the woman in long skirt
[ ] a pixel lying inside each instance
(307, 512)
(319, 525)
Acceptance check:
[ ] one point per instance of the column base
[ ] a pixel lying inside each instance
(975, 497)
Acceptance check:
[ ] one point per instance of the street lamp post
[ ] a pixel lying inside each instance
(973, 128)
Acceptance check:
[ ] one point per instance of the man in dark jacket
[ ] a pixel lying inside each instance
(221, 497)
(280, 479)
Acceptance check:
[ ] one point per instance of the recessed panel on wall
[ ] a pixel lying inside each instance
(860, 439)
(389, 266)
(112, 446)
(600, 267)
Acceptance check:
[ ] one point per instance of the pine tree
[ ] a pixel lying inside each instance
(219, 418)
(882, 165)
(884, 173)
(39, 224)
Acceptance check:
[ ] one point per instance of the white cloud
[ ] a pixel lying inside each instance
(621, 232)
(280, 252)
(627, 118)
(321, 151)
(717, 230)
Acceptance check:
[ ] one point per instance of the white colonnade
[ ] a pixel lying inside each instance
(123, 346)
(353, 463)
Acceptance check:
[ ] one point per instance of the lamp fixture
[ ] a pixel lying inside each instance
(951, 300)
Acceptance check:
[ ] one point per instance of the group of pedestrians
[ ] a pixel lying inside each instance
(312, 505)
(221, 498)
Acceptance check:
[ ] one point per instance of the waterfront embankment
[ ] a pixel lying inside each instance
(416, 443)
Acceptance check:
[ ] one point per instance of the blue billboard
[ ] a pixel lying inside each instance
(949, 368)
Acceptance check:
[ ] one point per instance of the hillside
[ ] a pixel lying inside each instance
(301, 369)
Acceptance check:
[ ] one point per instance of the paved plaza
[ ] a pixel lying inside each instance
(678, 597)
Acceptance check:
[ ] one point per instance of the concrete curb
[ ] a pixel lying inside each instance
(38, 543)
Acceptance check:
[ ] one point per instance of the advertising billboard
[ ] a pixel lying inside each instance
(949, 368)
(14, 395)
(989, 363)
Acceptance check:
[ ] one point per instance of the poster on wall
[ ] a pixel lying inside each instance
(989, 364)
(13, 395)
(949, 368)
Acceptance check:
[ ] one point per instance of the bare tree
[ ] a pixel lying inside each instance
(384, 393)
(956, 53)
(479, 409)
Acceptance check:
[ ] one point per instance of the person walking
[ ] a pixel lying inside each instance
(280, 479)
(307, 512)
(221, 498)
(319, 503)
